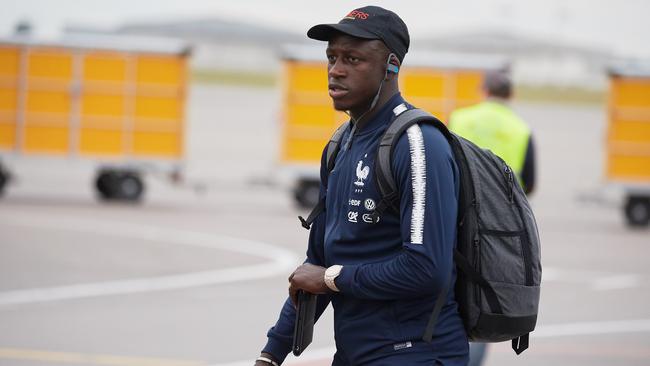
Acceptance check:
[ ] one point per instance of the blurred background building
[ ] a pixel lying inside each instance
(238, 46)
(218, 44)
(551, 43)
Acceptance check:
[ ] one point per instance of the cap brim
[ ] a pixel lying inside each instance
(324, 32)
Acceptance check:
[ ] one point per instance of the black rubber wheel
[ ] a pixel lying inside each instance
(637, 211)
(105, 183)
(4, 178)
(307, 193)
(129, 187)
(119, 185)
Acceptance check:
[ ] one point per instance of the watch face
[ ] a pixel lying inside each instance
(333, 271)
(330, 275)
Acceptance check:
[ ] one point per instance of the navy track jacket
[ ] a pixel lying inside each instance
(392, 270)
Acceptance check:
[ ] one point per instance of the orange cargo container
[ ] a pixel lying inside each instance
(117, 101)
(628, 138)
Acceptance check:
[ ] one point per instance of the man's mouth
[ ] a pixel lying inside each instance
(337, 91)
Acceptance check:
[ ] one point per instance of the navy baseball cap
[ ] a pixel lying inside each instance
(369, 22)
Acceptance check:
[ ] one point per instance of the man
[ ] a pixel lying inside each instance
(492, 125)
(382, 277)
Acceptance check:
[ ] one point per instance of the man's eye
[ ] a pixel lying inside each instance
(353, 59)
(331, 59)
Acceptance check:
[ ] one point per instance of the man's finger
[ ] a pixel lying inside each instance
(293, 294)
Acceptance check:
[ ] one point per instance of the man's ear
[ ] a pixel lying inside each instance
(392, 66)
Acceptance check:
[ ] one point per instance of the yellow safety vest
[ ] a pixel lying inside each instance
(493, 126)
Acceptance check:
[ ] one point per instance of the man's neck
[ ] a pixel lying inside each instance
(499, 100)
(361, 118)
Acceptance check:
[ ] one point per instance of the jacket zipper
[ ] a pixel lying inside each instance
(342, 187)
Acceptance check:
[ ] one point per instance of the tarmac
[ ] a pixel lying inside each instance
(197, 273)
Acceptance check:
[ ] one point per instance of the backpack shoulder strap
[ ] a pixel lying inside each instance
(388, 187)
(333, 147)
(383, 163)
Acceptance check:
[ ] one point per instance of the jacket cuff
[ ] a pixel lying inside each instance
(277, 349)
(345, 280)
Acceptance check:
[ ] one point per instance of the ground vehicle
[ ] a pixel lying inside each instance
(437, 83)
(116, 101)
(628, 138)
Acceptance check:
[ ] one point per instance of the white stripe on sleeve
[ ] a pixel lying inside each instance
(418, 181)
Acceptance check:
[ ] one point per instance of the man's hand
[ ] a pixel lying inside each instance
(309, 278)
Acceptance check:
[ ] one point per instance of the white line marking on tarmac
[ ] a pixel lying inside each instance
(617, 282)
(555, 274)
(281, 260)
(57, 357)
(595, 280)
(592, 328)
(548, 331)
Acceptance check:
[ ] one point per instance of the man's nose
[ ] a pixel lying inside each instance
(336, 70)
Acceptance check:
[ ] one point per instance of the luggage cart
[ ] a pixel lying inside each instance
(117, 102)
(628, 138)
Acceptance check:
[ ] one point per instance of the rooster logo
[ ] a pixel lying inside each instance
(362, 174)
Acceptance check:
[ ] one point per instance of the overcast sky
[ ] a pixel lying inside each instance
(618, 25)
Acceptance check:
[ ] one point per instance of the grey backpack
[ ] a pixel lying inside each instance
(498, 248)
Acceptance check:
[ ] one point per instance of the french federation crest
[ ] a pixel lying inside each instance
(362, 174)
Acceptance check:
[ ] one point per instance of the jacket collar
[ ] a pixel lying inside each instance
(383, 116)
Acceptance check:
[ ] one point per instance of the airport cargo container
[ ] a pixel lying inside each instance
(118, 102)
(437, 83)
(628, 138)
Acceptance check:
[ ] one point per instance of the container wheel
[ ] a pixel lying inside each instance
(105, 184)
(306, 193)
(130, 187)
(4, 178)
(637, 211)
(119, 185)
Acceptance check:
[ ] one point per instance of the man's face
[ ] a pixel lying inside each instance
(355, 68)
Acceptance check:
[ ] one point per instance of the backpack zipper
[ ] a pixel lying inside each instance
(477, 255)
(510, 183)
(509, 177)
(525, 253)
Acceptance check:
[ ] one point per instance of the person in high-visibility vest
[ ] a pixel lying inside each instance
(492, 125)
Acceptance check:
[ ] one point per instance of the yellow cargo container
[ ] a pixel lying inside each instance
(118, 101)
(628, 138)
(437, 83)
